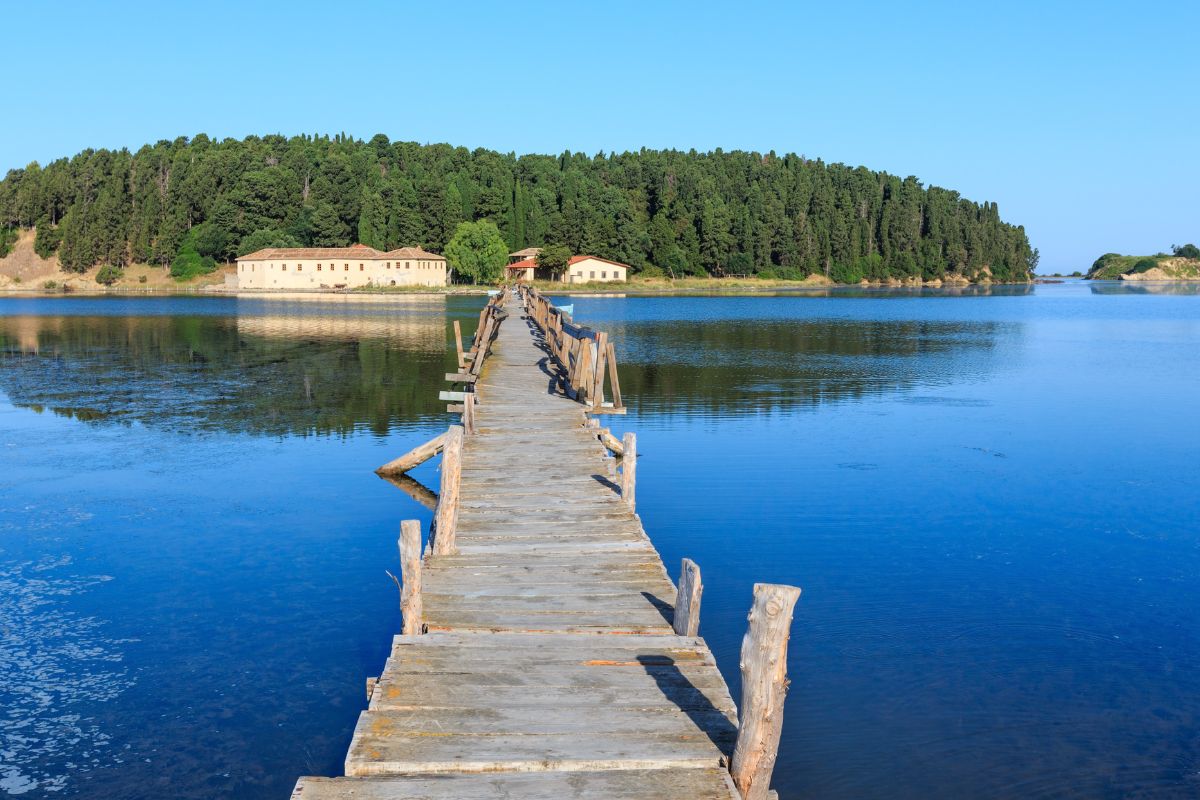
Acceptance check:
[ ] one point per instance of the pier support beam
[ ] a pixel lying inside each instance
(410, 577)
(764, 687)
(687, 600)
(629, 469)
(413, 458)
(446, 516)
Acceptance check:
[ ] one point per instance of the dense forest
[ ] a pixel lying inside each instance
(663, 212)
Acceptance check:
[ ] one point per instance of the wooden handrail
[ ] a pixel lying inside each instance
(586, 356)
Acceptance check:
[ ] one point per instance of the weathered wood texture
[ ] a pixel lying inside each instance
(629, 469)
(764, 687)
(414, 458)
(547, 664)
(687, 599)
(410, 576)
(446, 516)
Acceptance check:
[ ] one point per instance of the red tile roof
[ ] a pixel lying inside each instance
(529, 263)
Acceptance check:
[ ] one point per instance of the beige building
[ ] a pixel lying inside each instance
(339, 268)
(591, 269)
(580, 269)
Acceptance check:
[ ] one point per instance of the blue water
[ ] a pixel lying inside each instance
(990, 502)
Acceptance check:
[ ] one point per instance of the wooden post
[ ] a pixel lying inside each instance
(687, 599)
(410, 577)
(468, 416)
(764, 687)
(628, 468)
(612, 376)
(418, 455)
(597, 394)
(458, 344)
(447, 511)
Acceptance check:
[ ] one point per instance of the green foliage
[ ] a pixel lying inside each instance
(1111, 266)
(50, 285)
(141, 278)
(264, 238)
(48, 238)
(554, 257)
(109, 274)
(1186, 251)
(686, 213)
(8, 237)
(1144, 265)
(477, 252)
(190, 262)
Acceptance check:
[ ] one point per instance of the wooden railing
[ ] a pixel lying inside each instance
(586, 356)
(450, 443)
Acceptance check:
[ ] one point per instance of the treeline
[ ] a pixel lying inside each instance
(679, 213)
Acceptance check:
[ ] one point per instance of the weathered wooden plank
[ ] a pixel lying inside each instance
(674, 784)
(411, 601)
(413, 458)
(687, 599)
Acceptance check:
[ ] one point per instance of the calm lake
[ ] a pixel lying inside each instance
(990, 499)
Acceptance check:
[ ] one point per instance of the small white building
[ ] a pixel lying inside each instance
(580, 269)
(339, 268)
(592, 269)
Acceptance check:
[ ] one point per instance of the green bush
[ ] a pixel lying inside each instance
(109, 274)
(50, 285)
(650, 271)
(188, 264)
(8, 237)
(141, 278)
(1145, 265)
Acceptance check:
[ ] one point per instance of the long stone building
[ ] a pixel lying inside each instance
(339, 268)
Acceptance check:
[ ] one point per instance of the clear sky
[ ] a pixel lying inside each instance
(1080, 119)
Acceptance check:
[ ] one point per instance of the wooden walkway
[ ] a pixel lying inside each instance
(547, 665)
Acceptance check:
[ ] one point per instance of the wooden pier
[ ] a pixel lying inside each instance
(545, 652)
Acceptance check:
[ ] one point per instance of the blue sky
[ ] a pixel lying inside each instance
(1080, 119)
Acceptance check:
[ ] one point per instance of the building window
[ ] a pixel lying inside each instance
(299, 268)
(318, 267)
(389, 265)
(284, 267)
(408, 265)
(592, 275)
(347, 268)
(360, 267)
(604, 274)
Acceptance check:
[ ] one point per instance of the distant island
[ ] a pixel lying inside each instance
(1183, 264)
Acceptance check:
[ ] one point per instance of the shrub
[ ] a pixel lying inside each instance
(650, 271)
(109, 274)
(1145, 265)
(50, 285)
(189, 263)
(1186, 251)
(141, 278)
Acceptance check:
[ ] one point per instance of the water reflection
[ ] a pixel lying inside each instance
(287, 366)
(731, 367)
(1184, 288)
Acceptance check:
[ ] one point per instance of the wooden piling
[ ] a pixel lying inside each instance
(468, 415)
(764, 687)
(613, 381)
(628, 469)
(687, 599)
(410, 577)
(458, 344)
(447, 511)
